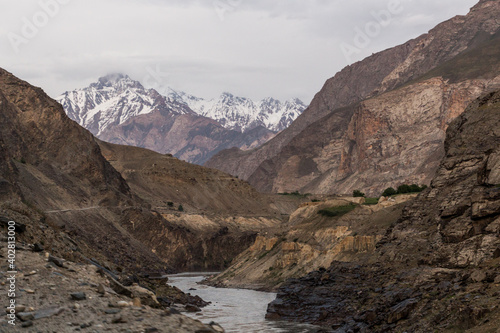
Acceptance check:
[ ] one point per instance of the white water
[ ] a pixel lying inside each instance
(236, 310)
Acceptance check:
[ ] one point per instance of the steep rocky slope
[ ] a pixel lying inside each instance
(349, 136)
(52, 164)
(120, 110)
(437, 268)
(220, 215)
(66, 199)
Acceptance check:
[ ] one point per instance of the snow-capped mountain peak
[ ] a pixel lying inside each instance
(112, 100)
(242, 114)
(115, 98)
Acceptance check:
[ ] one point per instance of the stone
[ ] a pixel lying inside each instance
(119, 320)
(119, 288)
(86, 325)
(151, 330)
(30, 273)
(192, 308)
(493, 167)
(122, 304)
(37, 247)
(28, 323)
(57, 261)
(79, 296)
(25, 316)
(401, 311)
(112, 311)
(101, 290)
(46, 313)
(171, 311)
(20, 308)
(478, 276)
(216, 327)
(137, 302)
(146, 296)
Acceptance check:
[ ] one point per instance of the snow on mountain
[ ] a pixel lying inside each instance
(112, 100)
(242, 114)
(115, 98)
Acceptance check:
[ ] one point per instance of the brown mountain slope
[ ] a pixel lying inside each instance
(220, 215)
(188, 136)
(53, 164)
(160, 179)
(436, 269)
(295, 161)
(55, 180)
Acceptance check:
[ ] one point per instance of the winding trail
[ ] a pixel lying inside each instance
(71, 210)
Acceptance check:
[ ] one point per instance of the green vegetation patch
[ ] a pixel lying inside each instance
(371, 201)
(296, 194)
(337, 210)
(403, 189)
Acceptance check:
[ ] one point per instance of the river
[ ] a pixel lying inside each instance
(236, 310)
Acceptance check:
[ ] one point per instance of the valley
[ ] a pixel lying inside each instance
(374, 209)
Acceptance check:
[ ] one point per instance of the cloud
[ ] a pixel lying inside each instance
(254, 48)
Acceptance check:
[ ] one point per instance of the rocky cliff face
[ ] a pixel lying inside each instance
(310, 240)
(347, 136)
(437, 267)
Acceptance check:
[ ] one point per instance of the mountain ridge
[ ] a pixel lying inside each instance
(120, 110)
(242, 114)
(299, 158)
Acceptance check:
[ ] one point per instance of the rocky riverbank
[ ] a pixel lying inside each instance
(55, 295)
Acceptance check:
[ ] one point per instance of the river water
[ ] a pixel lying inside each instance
(236, 310)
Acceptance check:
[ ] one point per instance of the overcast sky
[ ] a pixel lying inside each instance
(251, 48)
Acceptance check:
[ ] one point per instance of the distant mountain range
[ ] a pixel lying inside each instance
(242, 114)
(121, 110)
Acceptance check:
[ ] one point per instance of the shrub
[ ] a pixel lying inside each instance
(402, 189)
(388, 192)
(358, 194)
(170, 204)
(180, 209)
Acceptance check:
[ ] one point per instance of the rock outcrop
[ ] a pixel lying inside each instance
(310, 240)
(437, 267)
(359, 131)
